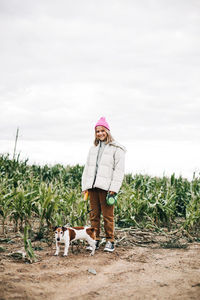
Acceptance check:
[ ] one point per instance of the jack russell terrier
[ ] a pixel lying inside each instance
(67, 234)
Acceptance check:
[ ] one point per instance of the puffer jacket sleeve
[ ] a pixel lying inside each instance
(84, 175)
(118, 172)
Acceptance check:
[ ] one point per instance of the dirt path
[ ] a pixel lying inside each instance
(128, 273)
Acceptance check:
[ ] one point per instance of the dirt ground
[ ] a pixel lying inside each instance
(136, 270)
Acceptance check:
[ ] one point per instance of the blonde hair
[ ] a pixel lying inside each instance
(109, 137)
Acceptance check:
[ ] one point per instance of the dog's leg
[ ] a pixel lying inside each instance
(66, 247)
(57, 249)
(92, 243)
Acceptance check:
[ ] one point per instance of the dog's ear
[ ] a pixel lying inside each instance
(64, 228)
(54, 228)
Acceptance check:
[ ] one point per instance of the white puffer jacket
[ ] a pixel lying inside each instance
(110, 172)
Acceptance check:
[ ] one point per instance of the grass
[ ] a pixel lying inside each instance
(173, 244)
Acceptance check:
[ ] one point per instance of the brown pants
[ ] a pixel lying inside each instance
(98, 205)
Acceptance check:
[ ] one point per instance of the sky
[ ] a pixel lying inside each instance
(64, 64)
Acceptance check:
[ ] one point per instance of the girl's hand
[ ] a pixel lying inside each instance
(86, 191)
(111, 193)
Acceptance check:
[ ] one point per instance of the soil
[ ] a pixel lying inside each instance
(139, 268)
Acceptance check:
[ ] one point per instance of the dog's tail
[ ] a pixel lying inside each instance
(93, 229)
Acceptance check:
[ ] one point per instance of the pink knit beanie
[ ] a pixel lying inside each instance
(102, 122)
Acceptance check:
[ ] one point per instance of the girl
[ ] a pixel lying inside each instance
(103, 173)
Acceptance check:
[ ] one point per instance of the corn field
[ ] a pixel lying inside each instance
(42, 197)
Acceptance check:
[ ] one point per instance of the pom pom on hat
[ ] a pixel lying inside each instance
(102, 122)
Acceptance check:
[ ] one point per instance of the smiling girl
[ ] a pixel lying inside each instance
(103, 174)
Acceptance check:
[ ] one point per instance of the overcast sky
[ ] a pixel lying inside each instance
(64, 64)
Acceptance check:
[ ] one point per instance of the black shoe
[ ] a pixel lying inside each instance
(97, 246)
(109, 247)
